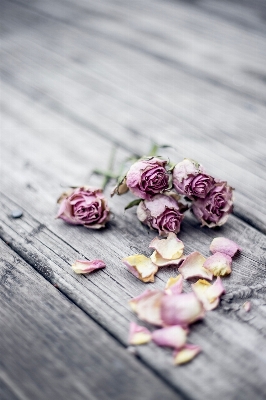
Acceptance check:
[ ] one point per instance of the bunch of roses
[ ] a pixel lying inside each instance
(159, 188)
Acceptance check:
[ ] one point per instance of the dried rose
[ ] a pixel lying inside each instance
(138, 334)
(215, 208)
(161, 213)
(224, 245)
(190, 179)
(85, 266)
(147, 178)
(84, 206)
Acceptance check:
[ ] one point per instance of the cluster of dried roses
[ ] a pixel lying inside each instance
(158, 188)
(170, 308)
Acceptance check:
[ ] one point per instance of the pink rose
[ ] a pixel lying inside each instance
(84, 206)
(147, 178)
(189, 179)
(215, 208)
(161, 213)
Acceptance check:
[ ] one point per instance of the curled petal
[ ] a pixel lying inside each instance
(133, 302)
(219, 264)
(170, 248)
(142, 267)
(181, 309)
(138, 334)
(174, 285)
(208, 294)
(193, 267)
(186, 354)
(224, 245)
(172, 336)
(158, 260)
(148, 308)
(85, 266)
(247, 306)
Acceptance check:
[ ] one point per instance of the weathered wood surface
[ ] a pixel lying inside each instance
(79, 78)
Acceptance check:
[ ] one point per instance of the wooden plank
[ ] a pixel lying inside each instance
(51, 349)
(116, 113)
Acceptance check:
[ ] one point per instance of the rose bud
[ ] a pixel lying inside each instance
(160, 213)
(190, 179)
(84, 206)
(147, 177)
(215, 208)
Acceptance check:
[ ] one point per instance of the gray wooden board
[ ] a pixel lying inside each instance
(73, 87)
(51, 350)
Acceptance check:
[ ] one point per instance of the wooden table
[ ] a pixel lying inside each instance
(80, 79)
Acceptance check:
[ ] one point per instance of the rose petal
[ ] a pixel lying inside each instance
(138, 334)
(219, 264)
(187, 353)
(133, 302)
(224, 245)
(193, 267)
(142, 267)
(170, 248)
(173, 336)
(148, 308)
(174, 285)
(181, 309)
(208, 294)
(247, 306)
(85, 266)
(158, 260)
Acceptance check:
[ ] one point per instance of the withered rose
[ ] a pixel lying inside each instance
(84, 206)
(190, 179)
(160, 213)
(147, 178)
(215, 208)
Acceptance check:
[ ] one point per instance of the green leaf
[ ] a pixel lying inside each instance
(133, 203)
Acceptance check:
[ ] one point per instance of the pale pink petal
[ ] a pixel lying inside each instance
(158, 260)
(148, 308)
(133, 302)
(172, 336)
(219, 264)
(192, 267)
(186, 354)
(170, 248)
(247, 306)
(174, 285)
(138, 334)
(85, 266)
(181, 309)
(224, 245)
(142, 267)
(207, 293)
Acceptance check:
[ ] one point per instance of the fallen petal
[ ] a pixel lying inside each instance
(207, 293)
(174, 285)
(142, 267)
(173, 336)
(186, 354)
(170, 248)
(133, 302)
(181, 309)
(158, 260)
(192, 267)
(148, 308)
(138, 334)
(85, 266)
(219, 264)
(247, 306)
(224, 245)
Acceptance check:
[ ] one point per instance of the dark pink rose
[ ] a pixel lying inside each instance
(215, 208)
(84, 206)
(161, 213)
(147, 178)
(190, 179)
